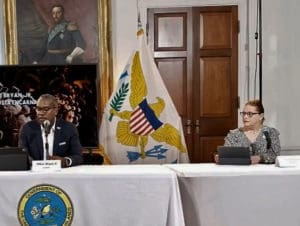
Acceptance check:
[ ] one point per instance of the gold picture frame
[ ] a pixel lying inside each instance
(104, 40)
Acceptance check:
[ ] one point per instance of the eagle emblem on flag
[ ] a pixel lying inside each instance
(143, 120)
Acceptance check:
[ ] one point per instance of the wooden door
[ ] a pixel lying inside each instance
(196, 52)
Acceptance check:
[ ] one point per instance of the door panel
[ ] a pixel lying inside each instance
(171, 32)
(173, 73)
(215, 84)
(214, 29)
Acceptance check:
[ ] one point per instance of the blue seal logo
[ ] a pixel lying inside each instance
(45, 204)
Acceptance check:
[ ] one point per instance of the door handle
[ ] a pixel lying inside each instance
(197, 126)
(188, 126)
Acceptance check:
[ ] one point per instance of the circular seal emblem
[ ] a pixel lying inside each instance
(45, 204)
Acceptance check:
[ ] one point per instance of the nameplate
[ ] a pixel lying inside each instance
(287, 161)
(46, 165)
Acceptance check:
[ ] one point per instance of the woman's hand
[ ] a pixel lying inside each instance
(216, 158)
(255, 159)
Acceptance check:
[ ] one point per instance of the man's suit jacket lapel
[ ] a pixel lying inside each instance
(37, 138)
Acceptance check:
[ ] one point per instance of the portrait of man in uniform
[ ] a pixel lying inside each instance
(62, 33)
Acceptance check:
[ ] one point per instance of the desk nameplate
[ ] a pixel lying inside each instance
(46, 165)
(288, 161)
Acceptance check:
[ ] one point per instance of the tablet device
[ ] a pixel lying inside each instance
(234, 155)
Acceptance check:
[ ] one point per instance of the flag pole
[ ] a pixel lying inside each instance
(139, 22)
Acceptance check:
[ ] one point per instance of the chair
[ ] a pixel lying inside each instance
(92, 157)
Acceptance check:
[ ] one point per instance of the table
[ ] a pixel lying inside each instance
(260, 195)
(121, 195)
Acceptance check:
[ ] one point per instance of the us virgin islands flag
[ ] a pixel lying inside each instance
(140, 123)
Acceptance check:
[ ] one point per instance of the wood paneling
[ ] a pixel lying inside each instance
(215, 83)
(196, 53)
(173, 72)
(209, 146)
(214, 27)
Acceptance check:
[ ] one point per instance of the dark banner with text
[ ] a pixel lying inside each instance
(74, 86)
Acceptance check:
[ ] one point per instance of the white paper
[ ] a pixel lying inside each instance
(288, 161)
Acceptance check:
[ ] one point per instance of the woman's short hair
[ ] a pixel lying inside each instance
(258, 104)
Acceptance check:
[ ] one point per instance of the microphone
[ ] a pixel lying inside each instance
(46, 126)
(267, 136)
(252, 149)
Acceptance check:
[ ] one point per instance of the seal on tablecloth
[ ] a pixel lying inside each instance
(45, 204)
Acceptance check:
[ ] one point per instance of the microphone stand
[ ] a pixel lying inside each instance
(46, 149)
(47, 163)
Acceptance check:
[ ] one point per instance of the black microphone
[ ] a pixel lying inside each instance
(46, 126)
(252, 149)
(268, 138)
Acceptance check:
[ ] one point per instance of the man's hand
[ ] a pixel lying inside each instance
(69, 59)
(62, 159)
(75, 53)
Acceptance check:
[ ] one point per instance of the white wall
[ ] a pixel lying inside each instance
(281, 68)
(281, 54)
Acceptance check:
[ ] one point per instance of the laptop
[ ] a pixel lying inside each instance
(13, 158)
(234, 155)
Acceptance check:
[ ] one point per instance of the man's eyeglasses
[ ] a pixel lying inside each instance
(44, 109)
(249, 114)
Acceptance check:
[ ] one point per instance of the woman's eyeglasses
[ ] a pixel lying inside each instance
(249, 114)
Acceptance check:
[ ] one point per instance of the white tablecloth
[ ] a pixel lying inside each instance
(260, 195)
(130, 195)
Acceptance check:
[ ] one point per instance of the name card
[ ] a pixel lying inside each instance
(287, 161)
(46, 165)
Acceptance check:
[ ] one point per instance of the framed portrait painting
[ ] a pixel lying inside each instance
(59, 32)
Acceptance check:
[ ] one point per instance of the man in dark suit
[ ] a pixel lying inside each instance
(60, 136)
